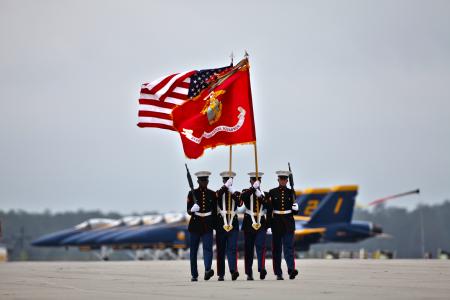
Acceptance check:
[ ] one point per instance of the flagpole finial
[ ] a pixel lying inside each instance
(246, 54)
(232, 57)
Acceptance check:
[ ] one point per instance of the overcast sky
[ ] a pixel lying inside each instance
(349, 92)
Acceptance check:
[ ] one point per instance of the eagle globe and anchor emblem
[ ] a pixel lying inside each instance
(213, 106)
(213, 111)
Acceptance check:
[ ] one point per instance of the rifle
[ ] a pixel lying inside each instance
(291, 183)
(191, 184)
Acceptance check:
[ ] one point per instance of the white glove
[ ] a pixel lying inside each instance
(229, 183)
(195, 208)
(231, 190)
(295, 206)
(256, 184)
(258, 193)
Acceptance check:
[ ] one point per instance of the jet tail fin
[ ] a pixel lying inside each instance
(336, 207)
(309, 199)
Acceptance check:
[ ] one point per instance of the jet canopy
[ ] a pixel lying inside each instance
(96, 223)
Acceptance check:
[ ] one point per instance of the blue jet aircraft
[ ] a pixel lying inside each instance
(325, 215)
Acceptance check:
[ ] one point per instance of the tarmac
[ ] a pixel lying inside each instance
(318, 279)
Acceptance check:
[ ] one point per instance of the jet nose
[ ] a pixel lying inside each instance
(46, 241)
(39, 242)
(377, 229)
(52, 239)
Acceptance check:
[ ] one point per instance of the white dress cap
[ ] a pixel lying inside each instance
(253, 174)
(202, 173)
(283, 173)
(227, 174)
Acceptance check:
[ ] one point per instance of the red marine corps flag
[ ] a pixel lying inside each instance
(222, 114)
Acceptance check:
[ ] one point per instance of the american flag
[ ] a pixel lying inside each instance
(159, 97)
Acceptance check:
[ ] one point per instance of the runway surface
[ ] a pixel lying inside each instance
(318, 279)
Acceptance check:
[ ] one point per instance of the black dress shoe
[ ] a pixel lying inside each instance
(234, 275)
(220, 278)
(280, 277)
(209, 274)
(292, 274)
(249, 277)
(194, 279)
(262, 274)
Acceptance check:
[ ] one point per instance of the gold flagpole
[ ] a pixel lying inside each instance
(257, 175)
(229, 194)
(231, 157)
(254, 145)
(256, 160)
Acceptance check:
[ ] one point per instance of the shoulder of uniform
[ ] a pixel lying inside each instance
(222, 189)
(247, 191)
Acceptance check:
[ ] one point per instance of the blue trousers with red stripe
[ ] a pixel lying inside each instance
(255, 240)
(207, 241)
(227, 243)
(283, 242)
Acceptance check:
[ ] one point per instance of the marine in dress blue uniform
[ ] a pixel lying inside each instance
(202, 223)
(227, 230)
(254, 235)
(283, 225)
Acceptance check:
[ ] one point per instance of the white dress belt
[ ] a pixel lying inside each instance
(224, 211)
(282, 212)
(202, 214)
(249, 212)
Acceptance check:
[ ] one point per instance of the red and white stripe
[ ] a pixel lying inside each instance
(159, 97)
